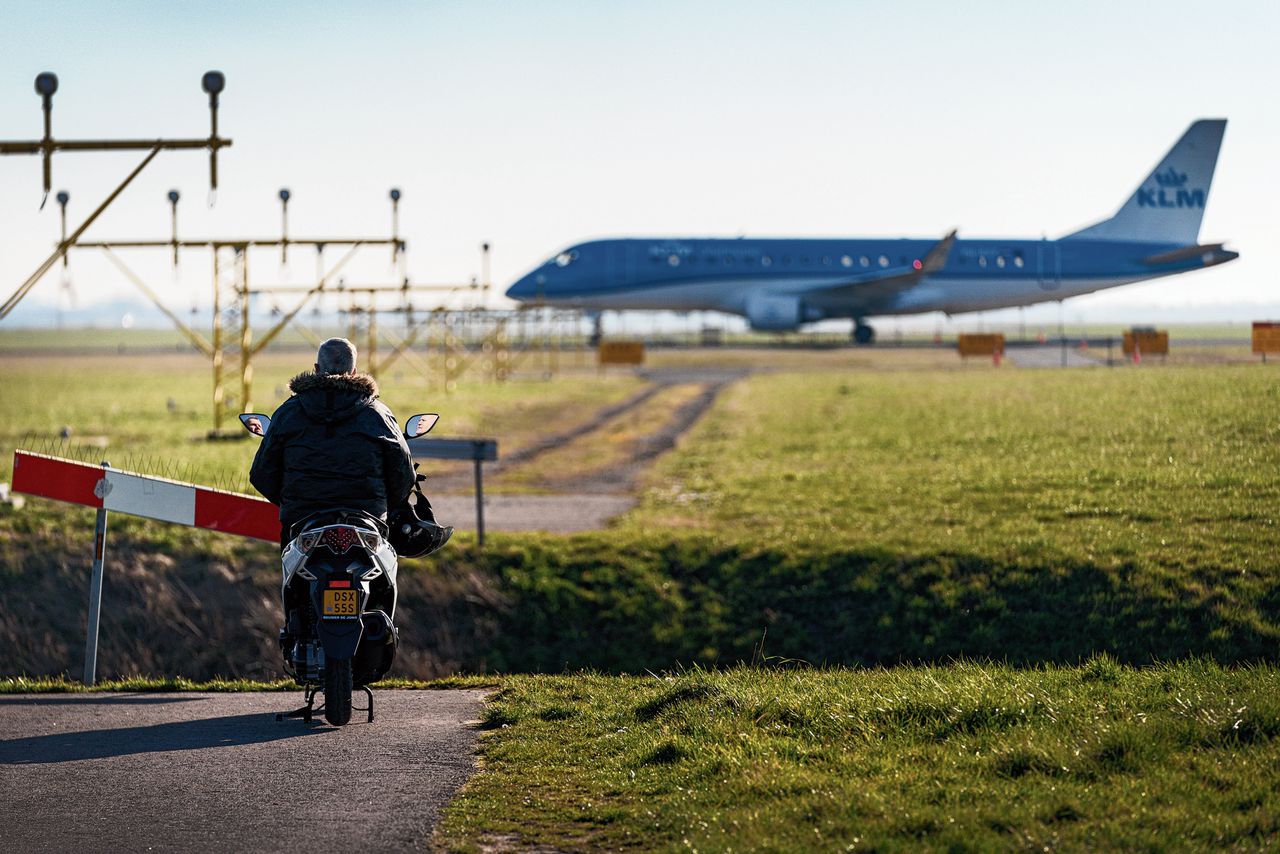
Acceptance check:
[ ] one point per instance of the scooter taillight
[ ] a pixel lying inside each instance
(339, 538)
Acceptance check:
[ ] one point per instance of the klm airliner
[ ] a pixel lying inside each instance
(780, 284)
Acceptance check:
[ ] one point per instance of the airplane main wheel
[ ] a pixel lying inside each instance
(863, 334)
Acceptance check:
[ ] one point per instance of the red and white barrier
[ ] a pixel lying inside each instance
(145, 496)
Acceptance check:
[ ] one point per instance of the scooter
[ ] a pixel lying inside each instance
(339, 597)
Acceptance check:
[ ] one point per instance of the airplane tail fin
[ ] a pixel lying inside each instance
(1168, 205)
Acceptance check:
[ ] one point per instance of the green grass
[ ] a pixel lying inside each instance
(150, 413)
(1166, 467)
(967, 757)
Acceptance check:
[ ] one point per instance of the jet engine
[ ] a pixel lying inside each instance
(775, 312)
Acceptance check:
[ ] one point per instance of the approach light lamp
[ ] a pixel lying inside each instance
(173, 197)
(284, 195)
(395, 194)
(213, 82)
(46, 84)
(63, 197)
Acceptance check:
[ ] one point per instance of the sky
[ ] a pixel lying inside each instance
(537, 125)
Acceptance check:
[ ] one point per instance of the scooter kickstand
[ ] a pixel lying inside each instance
(369, 692)
(305, 712)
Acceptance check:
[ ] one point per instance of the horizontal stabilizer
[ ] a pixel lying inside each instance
(1211, 253)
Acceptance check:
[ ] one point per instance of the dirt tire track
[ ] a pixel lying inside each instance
(604, 416)
(622, 478)
(458, 481)
(619, 478)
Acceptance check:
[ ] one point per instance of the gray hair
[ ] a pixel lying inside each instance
(336, 356)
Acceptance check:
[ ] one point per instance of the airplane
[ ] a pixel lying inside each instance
(780, 284)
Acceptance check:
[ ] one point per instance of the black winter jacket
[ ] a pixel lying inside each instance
(333, 444)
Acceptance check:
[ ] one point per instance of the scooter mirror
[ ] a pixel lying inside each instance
(420, 425)
(256, 423)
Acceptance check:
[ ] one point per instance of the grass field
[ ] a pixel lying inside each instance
(152, 411)
(1171, 466)
(862, 520)
(961, 758)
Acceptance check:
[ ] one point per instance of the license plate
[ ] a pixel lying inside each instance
(339, 603)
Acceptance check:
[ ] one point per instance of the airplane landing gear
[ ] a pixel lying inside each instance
(863, 334)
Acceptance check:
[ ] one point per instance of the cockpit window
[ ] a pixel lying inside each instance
(564, 259)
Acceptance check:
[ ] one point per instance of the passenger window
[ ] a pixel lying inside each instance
(1000, 261)
(846, 261)
(786, 259)
(1017, 260)
(673, 260)
(982, 260)
(765, 261)
(864, 261)
(884, 260)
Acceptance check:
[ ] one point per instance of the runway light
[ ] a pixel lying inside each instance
(916, 264)
(212, 82)
(46, 83)
(63, 197)
(173, 197)
(395, 195)
(284, 195)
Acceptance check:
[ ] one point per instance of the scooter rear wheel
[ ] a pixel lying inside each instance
(337, 692)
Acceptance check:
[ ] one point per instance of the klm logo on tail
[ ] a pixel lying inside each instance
(1170, 193)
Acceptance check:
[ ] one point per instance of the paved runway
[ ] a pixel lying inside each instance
(205, 772)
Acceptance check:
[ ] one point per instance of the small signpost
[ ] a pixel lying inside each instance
(1266, 337)
(620, 353)
(1146, 341)
(985, 344)
(477, 450)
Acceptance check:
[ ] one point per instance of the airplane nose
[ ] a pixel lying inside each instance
(520, 289)
(526, 288)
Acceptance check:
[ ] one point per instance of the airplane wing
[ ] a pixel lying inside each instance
(877, 287)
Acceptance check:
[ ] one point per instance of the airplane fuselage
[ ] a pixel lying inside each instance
(741, 275)
(781, 284)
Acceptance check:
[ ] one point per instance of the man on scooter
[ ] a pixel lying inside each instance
(334, 445)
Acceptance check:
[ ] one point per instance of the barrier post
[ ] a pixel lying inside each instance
(95, 594)
(479, 503)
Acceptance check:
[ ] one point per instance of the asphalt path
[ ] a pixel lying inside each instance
(217, 772)
(559, 514)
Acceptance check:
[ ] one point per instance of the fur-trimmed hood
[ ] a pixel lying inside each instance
(329, 398)
(357, 383)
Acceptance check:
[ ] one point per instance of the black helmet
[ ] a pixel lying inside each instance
(413, 537)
